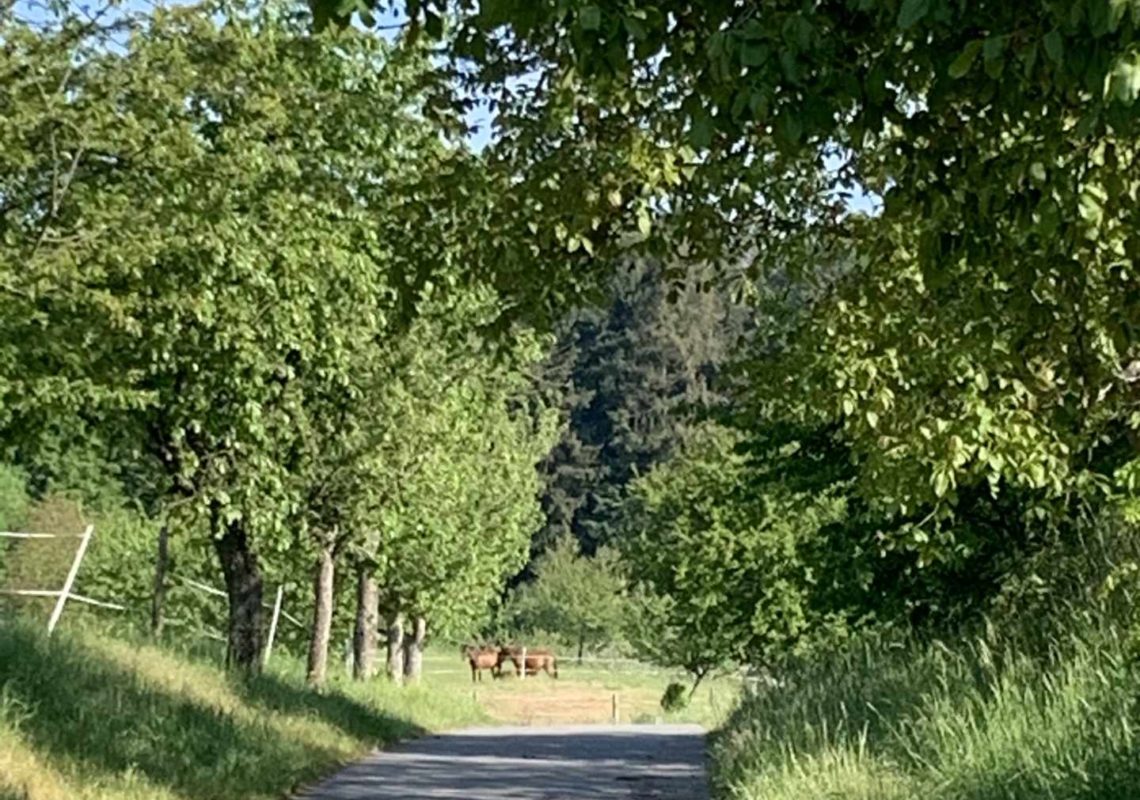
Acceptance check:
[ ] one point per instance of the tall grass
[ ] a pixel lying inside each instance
(987, 719)
(89, 716)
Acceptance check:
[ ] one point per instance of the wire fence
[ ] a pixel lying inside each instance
(65, 593)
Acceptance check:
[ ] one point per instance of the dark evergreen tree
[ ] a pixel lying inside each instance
(635, 374)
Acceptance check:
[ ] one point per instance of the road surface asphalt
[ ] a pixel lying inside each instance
(630, 762)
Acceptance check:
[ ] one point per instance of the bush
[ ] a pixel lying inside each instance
(13, 498)
(676, 697)
(13, 516)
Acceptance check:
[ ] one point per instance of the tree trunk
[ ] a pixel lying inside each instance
(414, 650)
(367, 621)
(244, 589)
(158, 599)
(581, 646)
(323, 587)
(396, 647)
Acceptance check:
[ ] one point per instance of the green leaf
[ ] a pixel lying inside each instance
(941, 483)
(644, 223)
(993, 51)
(961, 65)
(702, 131)
(1090, 205)
(789, 127)
(1054, 46)
(993, 47)
(753, 54)
(1117, 10)
(590, 18)
(911, 12)
(1123, 82)
(636, 28)
(803, 33)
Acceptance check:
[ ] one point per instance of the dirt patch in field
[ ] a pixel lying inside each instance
(551, 703)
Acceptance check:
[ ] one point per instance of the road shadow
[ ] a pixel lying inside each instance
(514, 763)
(581, 743)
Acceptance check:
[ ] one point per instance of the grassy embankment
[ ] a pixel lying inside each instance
(89, 716)
(978, 721)
(93, 716)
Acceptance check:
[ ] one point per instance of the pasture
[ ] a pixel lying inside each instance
(583, 693)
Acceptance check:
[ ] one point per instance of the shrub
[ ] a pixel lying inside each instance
(676, 697)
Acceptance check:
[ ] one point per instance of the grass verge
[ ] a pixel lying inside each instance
(86, 716)
(978, 721)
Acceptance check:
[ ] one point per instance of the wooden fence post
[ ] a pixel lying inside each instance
(615, 709)
(273, 624)
(57, 612)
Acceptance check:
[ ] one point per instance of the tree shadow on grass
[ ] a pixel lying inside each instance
(354, 718)
(89, 710)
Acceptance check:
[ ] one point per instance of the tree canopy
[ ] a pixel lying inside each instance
(206, 261)
(843, 294)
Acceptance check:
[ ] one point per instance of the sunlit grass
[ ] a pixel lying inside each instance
(972, 722)
(86, 716)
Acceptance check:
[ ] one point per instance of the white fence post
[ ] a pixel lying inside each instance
(273, 623)
(57, 612)
(522, 675)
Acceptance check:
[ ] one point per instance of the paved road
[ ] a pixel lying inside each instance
(658, 762)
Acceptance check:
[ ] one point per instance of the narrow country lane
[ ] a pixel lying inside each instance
(664, 762)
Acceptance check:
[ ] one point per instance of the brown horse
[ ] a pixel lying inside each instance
(481, 658)
(537, 659)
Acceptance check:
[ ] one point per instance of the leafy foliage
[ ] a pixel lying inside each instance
(986, 338)
(457, 476)
(632, 377)
(222, 260)
(582, 600)
(728, 566)
(13, 499)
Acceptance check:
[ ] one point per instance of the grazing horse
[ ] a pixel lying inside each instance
(481, 658)
(537, 659)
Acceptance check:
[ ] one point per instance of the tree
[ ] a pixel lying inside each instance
(583, 600)
(989, 338)
(636, 373)
(726, 566)
(204, 340)
(462, 498)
